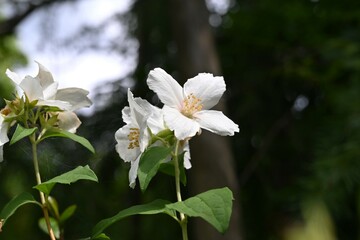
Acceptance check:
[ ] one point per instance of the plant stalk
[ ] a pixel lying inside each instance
(183, 217)
(38, 181)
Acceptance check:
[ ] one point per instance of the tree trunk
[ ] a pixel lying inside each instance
(212, 159)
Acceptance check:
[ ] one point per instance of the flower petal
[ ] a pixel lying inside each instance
(207, 88)
(126, 115)
(133, 172)
(55, 103)
(44, 76)
(122, 146)
(13, 76)
(216, 122)
(32, 88)
(49, 92)
(68, 121)
(77, 97)
(1, 153)
(4, 127)
(166, 87)
(187, 156)
(155, 120)
(139, 118)
(182, 126)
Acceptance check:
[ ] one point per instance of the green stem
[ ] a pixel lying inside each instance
(183, 217)
(38, 181)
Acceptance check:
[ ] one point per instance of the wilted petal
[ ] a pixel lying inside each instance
(122, 146)
(182, 126)
(166, 87)
(207, 88)
(216, 122)
(32, 88)
(68, 121)
(77, 97)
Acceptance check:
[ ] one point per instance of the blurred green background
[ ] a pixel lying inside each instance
(292, 70)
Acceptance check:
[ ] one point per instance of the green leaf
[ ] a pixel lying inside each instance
(54, 225)
(155, 207)
(53, 207)
(69, 211)
(168, 168)
(214, 206)
(102, 237)
(14, 204)
(79, 173)
(149, 164)
(20, 133)
(61, 133)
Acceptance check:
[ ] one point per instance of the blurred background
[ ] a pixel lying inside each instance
(292, 70)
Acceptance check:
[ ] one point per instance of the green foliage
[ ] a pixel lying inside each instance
(149, 164)
(62, 133)
(271, 52)
(79, 173)
(18, 201)
(155, 207)
(21, 132)
(214, 206)
(54, 225)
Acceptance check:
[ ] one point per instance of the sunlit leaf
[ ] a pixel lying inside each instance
(214, 206)
(79, 173)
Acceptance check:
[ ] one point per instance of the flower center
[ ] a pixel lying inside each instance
(191, 105)
(133, 137)
(5, 111)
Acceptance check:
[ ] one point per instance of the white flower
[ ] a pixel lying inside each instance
(45, 90)
(133, 138)
(186, 109)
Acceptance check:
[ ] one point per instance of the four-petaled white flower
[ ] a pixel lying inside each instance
(186, 109)
(45, 90)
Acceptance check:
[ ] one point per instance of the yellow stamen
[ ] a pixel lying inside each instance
(191, 105)
(133, 137)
